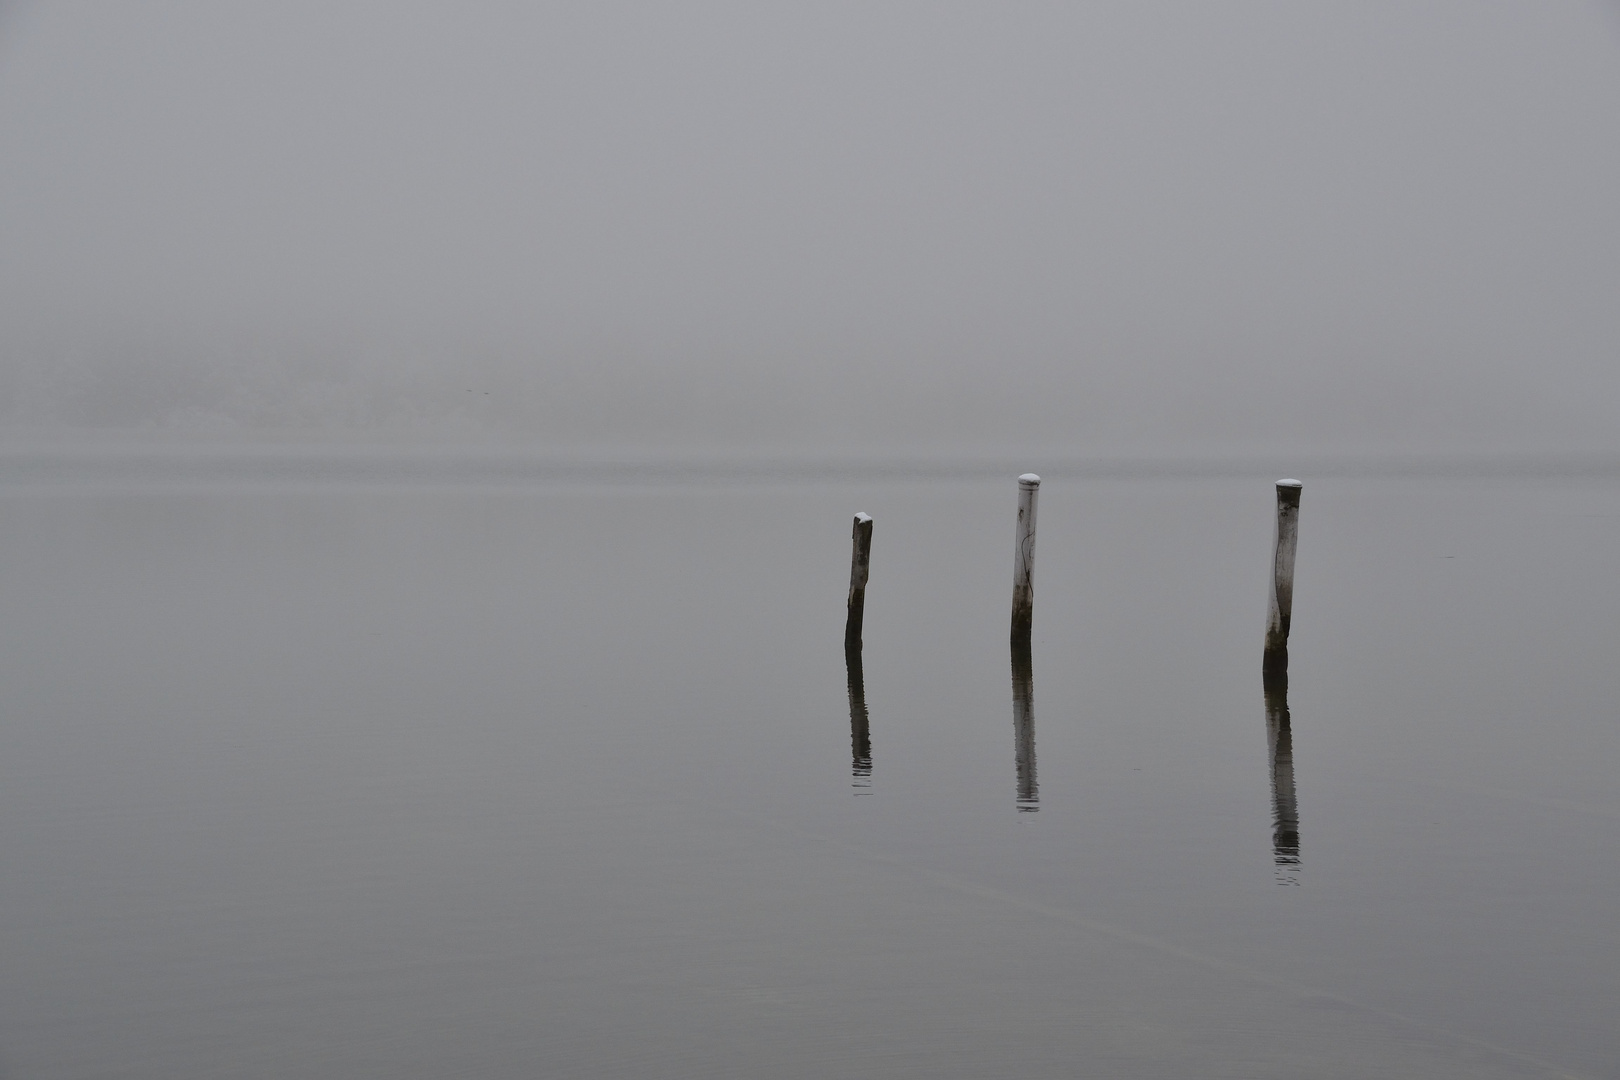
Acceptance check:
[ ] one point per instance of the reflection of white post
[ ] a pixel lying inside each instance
(1023, 605)
(1284, 801)
(859, 558)
(860, 725)
(1023, 680)
(1282, 575)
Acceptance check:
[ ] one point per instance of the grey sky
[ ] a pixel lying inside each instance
(1124, 226)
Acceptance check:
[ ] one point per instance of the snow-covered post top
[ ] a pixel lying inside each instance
(1023, 605)
(1282, 575)
(859, 559)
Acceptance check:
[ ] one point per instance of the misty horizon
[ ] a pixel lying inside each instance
(1117, 229)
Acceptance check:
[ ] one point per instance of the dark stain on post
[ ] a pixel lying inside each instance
(1284, 800)
(1023, 683)
(860, 557)
(860, 731)
(1285, 540)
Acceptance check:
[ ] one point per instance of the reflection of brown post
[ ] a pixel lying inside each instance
(1284, 802)
(860, 732)
(1282, 576)
(858, 560)
(1023, 681)
(1023, 603)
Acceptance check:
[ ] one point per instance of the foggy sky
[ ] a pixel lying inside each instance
(1121, 227)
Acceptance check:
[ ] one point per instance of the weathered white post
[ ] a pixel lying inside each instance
(1023, 604)
(858, 560)
(1282, 576)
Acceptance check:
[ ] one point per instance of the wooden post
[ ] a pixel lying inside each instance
(858, 560)
(1023, 680)
(1023, 604)
(1282, 577)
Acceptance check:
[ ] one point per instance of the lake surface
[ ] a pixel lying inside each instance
(370, 771)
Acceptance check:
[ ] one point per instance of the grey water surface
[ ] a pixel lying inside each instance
(568, 776)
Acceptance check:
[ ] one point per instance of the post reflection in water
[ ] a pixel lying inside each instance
(1284, 804)
(1023, 682)
(860, 733)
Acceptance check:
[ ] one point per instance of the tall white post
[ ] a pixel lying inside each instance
(860, 557)
(1282, 576)
(1023, 604)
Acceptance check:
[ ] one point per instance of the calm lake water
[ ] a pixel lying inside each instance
(352, 772)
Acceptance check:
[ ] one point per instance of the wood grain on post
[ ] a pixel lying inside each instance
(1023, 604)
(1282, 576)
(858, 561)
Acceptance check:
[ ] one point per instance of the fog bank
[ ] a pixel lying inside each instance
(1114, 227)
